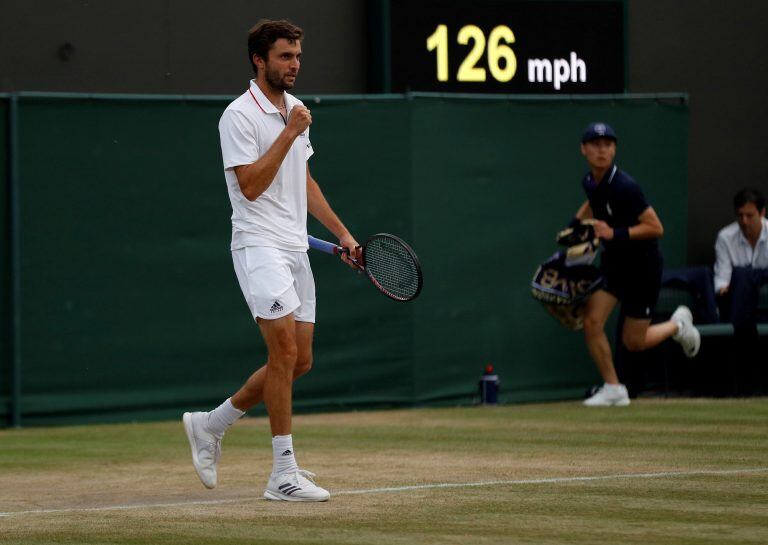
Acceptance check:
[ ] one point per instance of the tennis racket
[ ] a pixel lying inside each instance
(389, 263)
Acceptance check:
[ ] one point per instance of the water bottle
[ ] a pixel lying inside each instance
(489, 387)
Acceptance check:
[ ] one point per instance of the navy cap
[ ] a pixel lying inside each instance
(598, 130)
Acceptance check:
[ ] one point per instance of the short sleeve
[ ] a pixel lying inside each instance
(239, 140)
(635, 200)
(310, 149)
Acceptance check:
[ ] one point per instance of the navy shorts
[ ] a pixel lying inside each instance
(634, 281)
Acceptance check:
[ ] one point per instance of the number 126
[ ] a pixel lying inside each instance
(498, 50)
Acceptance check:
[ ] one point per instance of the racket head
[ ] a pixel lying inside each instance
(392, 266)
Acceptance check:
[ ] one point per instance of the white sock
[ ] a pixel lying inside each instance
(222, 417)
(283, 460)
(680, 328)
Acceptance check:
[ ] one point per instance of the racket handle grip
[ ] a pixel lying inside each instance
(323, 246)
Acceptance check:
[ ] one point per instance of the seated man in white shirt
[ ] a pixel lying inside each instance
(742, 260)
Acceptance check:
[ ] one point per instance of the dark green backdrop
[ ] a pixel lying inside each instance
(5, 364)
(130, 307)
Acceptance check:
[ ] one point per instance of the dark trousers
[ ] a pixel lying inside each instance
(740, 307)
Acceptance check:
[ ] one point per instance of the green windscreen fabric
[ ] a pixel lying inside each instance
(493, 182)
(131, 308)
(124, 231)
(5, 264)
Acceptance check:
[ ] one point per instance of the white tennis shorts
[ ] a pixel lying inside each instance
(276, 282)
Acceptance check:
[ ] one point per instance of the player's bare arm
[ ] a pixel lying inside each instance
(649, 227)
(319, 208)
(584, 212)
(254, 179)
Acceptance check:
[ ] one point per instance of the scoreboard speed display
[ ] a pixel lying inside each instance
(497, 46)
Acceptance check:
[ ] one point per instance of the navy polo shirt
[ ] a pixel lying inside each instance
(619, 201)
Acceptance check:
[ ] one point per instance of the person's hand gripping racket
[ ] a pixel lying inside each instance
(351, 249)
(388, 262)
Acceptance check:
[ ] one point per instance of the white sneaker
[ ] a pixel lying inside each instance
(687, 334)
(206, 448)
(609, 395)
(298, 485)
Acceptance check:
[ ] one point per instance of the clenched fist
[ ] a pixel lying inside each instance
(299, 120)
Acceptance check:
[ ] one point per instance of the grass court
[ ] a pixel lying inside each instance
(679, 471)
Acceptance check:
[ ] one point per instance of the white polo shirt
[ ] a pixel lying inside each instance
(278, 217)
(732, 249)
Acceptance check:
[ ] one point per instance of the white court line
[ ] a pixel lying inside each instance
(551, 480)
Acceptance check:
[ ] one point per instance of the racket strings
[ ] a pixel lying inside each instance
(392, 267)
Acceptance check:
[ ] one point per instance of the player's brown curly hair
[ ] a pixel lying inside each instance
(267, 32)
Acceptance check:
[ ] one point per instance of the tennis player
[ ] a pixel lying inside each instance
(631, 264)
(265, 147)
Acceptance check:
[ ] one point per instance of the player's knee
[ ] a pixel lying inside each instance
(289, 356)
(303, 365)
(285, 355)
(633, 343)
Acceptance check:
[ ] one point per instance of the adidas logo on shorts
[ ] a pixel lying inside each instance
(277, 307)
(287, 453)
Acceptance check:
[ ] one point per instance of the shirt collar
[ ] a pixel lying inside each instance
(610, 174)
(263, 102)
(764, 231)
(762, 239)
(608, 177)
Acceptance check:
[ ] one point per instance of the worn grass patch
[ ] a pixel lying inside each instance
(55, 483)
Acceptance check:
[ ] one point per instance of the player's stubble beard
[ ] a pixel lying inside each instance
(276, 81)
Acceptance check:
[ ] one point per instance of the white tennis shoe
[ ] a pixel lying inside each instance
(687, 334)
(297, 485)
(609, 395)
(206, 448)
